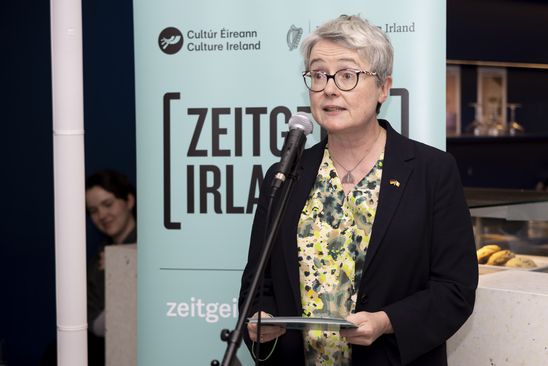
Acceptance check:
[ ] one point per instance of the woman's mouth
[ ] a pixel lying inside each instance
(107, 225)
(333, 108)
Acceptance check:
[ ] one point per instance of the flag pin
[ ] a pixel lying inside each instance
(394, 182)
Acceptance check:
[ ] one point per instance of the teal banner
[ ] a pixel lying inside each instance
(216, 83)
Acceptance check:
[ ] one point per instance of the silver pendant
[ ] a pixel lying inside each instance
(348, 178)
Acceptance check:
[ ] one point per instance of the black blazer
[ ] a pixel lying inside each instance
(420, 266)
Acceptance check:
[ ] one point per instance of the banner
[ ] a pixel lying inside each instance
(216, 83)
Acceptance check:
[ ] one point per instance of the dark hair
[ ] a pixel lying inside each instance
(114, 182)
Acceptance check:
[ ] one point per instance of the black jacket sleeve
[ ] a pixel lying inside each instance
(425, 319)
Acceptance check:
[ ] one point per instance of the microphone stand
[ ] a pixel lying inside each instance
(234, 338)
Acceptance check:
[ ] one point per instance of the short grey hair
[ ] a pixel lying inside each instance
(354, 32)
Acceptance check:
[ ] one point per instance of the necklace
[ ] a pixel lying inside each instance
(348, 177)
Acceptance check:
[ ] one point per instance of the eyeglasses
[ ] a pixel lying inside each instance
(345, 79)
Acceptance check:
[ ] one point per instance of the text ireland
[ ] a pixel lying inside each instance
(226, 46)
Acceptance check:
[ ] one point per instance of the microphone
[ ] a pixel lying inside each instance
(299, 127)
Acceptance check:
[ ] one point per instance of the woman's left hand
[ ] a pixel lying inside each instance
(268, 332)
(370, 327)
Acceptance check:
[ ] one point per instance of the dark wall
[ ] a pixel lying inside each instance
(497, 30)
(27, 254)
(27, 268)
(109, 92)
(501, 162)
(27, 308)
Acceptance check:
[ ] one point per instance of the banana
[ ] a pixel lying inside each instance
(485, 252)
(500, 258)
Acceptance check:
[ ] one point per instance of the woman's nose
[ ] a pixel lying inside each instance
(101, 213)
(331, 88)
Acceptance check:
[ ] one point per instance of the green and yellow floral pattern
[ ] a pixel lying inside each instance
(332, 238)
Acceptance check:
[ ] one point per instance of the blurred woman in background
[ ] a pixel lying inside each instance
(111, 205)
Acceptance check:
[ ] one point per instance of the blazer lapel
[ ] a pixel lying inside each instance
(397, 167)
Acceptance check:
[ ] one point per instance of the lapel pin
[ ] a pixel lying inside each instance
(394, 182)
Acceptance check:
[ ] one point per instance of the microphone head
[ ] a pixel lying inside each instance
(302, 121)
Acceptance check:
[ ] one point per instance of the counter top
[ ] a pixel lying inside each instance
(509, 204)
(508, 325)
(487, 197)
(515, 280)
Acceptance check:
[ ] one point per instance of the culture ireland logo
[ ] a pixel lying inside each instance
(170, 40)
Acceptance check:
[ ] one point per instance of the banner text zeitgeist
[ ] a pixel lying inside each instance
(210, 187)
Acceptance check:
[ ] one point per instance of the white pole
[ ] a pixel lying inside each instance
(68, 155)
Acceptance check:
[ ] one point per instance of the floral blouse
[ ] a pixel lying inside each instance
(332, 238)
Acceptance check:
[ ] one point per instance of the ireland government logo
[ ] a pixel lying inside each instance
(293, 37)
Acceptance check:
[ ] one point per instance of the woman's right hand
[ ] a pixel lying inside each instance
(268, 332)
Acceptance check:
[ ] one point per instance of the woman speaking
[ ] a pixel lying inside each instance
(376, 231)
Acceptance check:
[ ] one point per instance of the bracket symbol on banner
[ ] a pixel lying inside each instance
(404, 94)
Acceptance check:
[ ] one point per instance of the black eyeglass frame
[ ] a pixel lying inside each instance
(307, 73)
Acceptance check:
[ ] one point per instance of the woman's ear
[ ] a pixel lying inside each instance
(385, 89)
(131, 200)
